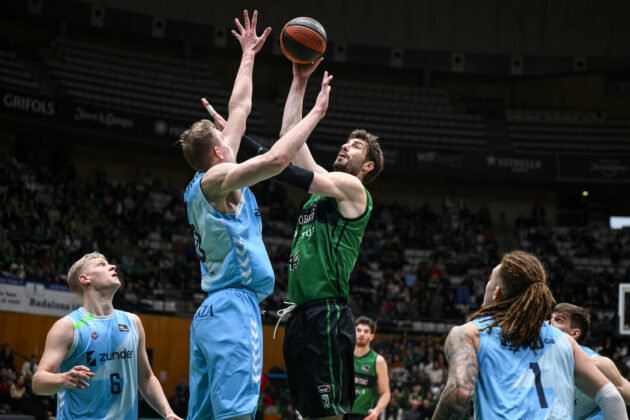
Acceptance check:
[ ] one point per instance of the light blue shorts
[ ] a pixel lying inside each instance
(225, 356)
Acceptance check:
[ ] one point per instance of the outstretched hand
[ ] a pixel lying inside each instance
(247, 33)
(321, 104)
(305, 70)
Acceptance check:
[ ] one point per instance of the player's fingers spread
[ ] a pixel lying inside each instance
(266, 33)
(83, 384)
(238, 25)
(246, 19)
(236, 35)
(254, 20)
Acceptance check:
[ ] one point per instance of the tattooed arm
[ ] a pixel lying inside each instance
(462, 372)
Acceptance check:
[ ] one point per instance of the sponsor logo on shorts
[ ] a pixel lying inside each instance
(324, 389)
(123, 328)
(325, 401)
(294, 261)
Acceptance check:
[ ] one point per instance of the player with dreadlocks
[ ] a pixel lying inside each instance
(515, 364)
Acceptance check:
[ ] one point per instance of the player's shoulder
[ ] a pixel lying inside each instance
(129, 315)
(62, 329)
(380, 359)
(461, 335)
(194, 182)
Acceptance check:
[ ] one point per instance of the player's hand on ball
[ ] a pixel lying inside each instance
(77, 377)
(321, 104)
(247, 33)
(305, 70)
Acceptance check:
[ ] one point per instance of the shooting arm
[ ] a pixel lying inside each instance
(345, 188)
(462, 373)
(293, 113)
(148, 384)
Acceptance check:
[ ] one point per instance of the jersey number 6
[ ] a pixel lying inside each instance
(114, 384)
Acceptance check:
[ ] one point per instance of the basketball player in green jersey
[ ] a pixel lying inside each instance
(320, 334)
(371, 381)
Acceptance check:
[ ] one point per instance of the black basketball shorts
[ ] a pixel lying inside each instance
(319, 356)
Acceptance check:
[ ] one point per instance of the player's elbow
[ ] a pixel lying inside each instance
(37, 385)
(459, 393)
(277, 161)
(464, 394)
(243, 106)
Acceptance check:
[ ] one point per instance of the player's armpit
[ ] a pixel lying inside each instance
(610, 371)
(341, 186)
(462, 374)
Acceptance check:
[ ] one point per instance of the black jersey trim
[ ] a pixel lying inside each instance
(343, 229)
(368, 198)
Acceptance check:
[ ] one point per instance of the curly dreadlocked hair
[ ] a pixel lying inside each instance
(527, 301)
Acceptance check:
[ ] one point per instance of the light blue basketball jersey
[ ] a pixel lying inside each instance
(108, 346)
(229, 246)
(524, 384)
(586, 408)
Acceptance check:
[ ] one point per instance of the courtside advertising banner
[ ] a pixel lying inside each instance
(17, 295)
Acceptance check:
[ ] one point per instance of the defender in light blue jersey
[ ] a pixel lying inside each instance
(576, 322)
(95, 358)
(226, 331)
(514, 364)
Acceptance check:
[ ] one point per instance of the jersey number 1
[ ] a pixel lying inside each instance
(539, 388)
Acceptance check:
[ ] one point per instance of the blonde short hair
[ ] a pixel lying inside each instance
(197, 143)
(78, 268)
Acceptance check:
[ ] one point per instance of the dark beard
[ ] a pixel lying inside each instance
(340, 166)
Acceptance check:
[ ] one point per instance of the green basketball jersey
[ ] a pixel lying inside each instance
(365, 383)
(325, 248)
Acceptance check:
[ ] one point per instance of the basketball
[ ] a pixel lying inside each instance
(303, 40)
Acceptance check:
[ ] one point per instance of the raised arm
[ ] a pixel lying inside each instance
(225, 177)
(293, 112)
(462, 373)
(148, 384)
(610, 371)
(240, 103)
(46, 380)
(345, 188)
(594, 384)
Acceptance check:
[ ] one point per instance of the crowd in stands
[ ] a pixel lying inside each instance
(16, 393)
(414, 262)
